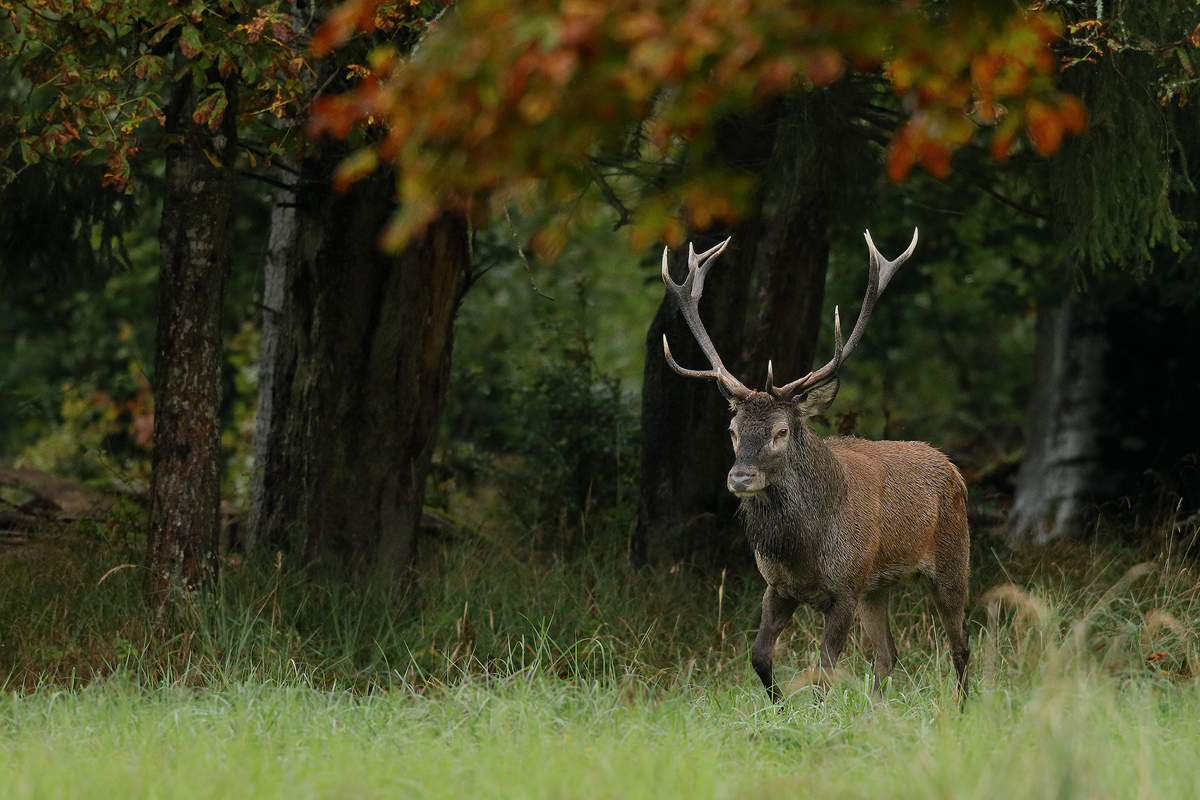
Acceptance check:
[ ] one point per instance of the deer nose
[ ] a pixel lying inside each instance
(744, 482)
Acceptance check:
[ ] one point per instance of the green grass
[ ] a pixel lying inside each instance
(532, 736)
(519, 676)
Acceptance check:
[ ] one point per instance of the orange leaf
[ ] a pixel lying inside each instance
(341, 23)
(824, 66)
(935, 156)
(1002, 144)
(900, 157)
(1073, 115)
(1045, 128)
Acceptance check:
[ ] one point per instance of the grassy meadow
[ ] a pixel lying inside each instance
(516, 675)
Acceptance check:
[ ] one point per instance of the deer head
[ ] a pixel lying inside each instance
(767, 426)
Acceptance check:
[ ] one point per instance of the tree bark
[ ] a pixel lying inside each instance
(361, 380)
(185, 483)
(1062, 453)
(1111, 415)
(276, 367)
(791, 287)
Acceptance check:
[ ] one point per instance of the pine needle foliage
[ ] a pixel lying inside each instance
(1116, 188)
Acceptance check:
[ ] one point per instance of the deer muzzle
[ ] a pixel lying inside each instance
(745, 482)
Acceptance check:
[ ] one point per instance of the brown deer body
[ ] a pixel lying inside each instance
(835, 523)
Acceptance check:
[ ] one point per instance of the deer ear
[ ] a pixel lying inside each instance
(818, 400)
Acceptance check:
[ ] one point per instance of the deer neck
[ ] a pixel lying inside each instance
(799, 506)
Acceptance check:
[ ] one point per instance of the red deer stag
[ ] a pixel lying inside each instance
(835, 522)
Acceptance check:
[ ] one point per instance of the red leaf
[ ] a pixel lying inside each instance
(824, 66)
(900, 159)
(117, 174)
(225, 65)
(150, 67)
(1003, 139)
(283, 30)
(935, 157)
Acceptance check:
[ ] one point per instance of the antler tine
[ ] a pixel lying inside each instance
(881, 272)
(687, 295)
(888, 268)
(698, 265)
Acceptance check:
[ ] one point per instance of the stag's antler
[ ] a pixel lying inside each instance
(882, 271)
(688, 297)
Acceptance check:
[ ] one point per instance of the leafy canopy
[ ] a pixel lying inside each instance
(506, 98)
(86, 77)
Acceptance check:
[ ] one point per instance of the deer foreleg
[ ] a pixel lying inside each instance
(776, 614)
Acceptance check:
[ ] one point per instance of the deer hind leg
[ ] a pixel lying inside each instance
(873, 614)
(950, 592)
(776, 615)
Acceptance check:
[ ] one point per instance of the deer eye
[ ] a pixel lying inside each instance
(782, 432)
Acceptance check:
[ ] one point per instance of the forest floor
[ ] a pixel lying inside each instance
(511, 675)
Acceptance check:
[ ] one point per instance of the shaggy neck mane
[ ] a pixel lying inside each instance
(798, 504)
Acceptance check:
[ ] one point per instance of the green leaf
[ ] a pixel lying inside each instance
(28, 154)
(166, 28)
(189, 42)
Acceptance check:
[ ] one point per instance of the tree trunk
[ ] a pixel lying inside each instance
(185, 483)
(791, 287)
(1062, 453)
(276, 367)
(1111, 416)
(360, 380)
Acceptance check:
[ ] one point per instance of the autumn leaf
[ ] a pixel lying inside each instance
(117, 172)
(341, 23)
(150, 67)
(1073, 115)
(189, 42)
(1045, 127)
(211, 110)
(357, 165)
(506, 93)
(28, 154)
